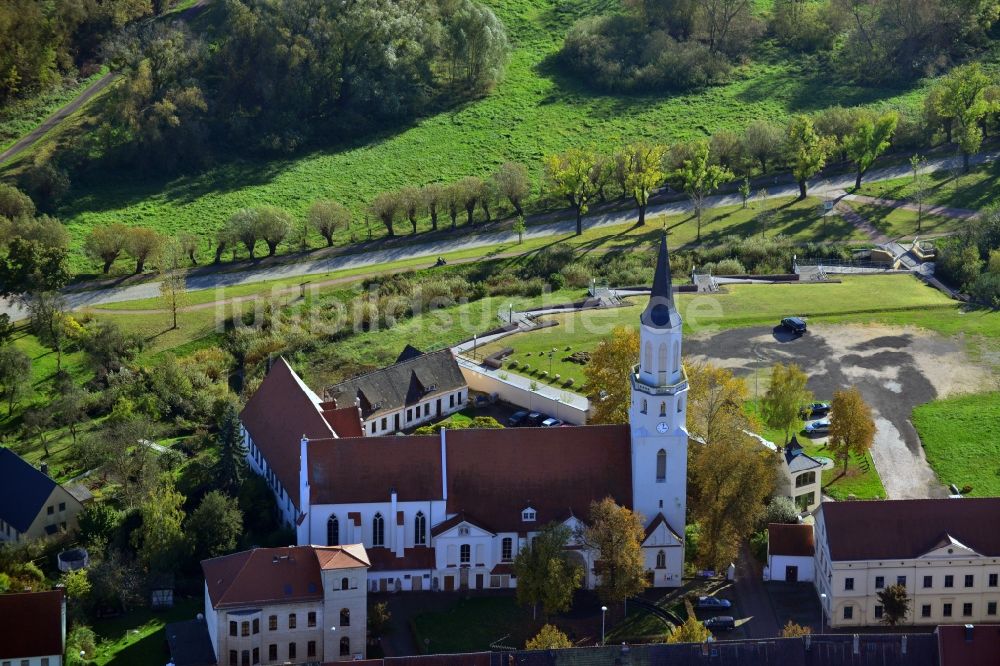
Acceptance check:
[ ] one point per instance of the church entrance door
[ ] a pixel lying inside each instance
(417, 583)
(463, 579)
(449, 583)
(479, 581)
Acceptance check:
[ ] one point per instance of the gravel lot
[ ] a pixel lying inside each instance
(895, 368)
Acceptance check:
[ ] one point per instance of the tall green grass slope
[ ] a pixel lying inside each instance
(534, 111)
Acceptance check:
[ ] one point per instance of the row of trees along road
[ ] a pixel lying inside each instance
(960, 107)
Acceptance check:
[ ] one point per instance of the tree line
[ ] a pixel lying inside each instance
(46, 41)
(653, 45)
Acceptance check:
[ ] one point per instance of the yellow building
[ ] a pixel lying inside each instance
(32, 505)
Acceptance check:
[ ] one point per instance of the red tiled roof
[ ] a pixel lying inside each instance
(32, 624)
(366, 469)
(791, 540)
(892, 529)
(275, 575)
(345, 421)
(980, 647)
(384, 559)
(557, 471)
(277, 416)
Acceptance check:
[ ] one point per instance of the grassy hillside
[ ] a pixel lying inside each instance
(533, 112)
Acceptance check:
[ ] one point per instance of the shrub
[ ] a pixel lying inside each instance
(729, 267)
(576, 275)
(569, 382)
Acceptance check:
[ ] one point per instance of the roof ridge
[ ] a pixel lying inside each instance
(389, 367)
(246, 561)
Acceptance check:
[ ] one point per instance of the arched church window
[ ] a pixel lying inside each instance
(378, 530)
(643, 405)
(677, 356)
(649, 357)
(661, 363)
(661, 560)
(680, 405)
(661, 465)
(663, 409)
(333, 531)
(420, 529)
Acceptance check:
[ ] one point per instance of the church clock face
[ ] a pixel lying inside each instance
(662, 427)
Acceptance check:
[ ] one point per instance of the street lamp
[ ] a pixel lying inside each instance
(604, 610)
(550, 359)
(510, 315)
(475, 344)
(822, 612)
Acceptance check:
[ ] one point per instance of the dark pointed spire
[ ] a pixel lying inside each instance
(661, 311)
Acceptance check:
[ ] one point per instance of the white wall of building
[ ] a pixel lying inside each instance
(564, 405)
(777, 568)
(426, 410)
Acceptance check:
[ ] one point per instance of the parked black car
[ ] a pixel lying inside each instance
(720, 623)
(796, 325)
(815, 410)
(535, 419)
(517, 419)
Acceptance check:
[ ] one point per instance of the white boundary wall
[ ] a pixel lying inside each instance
(516, 389)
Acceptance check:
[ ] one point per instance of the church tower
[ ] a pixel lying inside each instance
(657, 417)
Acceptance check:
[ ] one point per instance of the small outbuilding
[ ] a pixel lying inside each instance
(790, 551)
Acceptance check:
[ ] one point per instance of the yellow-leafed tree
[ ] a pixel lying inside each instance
(608, 373)
(852, 428)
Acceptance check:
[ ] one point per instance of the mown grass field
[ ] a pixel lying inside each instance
(534, 111)
(972, 191)
(901, 223)
(961, 437)
(889, 299)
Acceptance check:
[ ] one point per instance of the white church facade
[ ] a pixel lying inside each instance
(450, 511)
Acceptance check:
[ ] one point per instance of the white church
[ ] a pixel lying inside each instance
(451, 511)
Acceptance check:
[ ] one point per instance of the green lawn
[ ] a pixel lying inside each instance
(473, 624)
(861, 479)
(902, 223)
(961, 437)
(137, 638)
(535, 110)
(891, 299)
(972, 190)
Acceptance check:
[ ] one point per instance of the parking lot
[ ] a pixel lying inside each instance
(895, 369)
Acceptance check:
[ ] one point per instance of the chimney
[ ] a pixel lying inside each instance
(857, 644)
(968, 633)
(44, 468)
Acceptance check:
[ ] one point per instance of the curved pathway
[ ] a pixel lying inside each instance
(824, 187)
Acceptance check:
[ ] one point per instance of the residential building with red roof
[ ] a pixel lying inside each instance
(945, 552)
(33, 630)
(790, 553)
(451, 510)
(300, 604)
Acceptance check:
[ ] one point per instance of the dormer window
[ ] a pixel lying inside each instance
(528, 515)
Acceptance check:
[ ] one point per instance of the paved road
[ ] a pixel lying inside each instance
(210, 280)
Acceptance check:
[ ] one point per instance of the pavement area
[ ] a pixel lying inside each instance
(210, 278)
(895, 368)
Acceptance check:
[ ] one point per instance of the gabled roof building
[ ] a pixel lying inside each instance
(33, 628)
(450, 511)
(945, 552)
(32, 504)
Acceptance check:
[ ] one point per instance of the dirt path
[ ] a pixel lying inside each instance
(860, 223)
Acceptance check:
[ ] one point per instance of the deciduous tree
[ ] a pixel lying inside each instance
(412, 202)
(785, 397)
(731, 478)
(435, 199)
(215, 526)
(715, 401)
(615, 534)
(37, 423)
(642, 172)
(105, 244)
(386, 207)
(519, 228)
(692, 631)
(513, 184)
(173, 283)
(762, 141)
(962, 100)
(161, 541)
(568, 176)
(32, 266)
(242, 227)
(545, 575)
(608, 374)
(273, 224)
(793, 630)
(142, 244)
(548, 638)
(48, 321)
(870, 138)
(469, 190)
(852, 428)
(14, 203)
(698, 178)
(807, 151)
(895, 604)
(15, 376)
(327, 216)
(69, 409)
